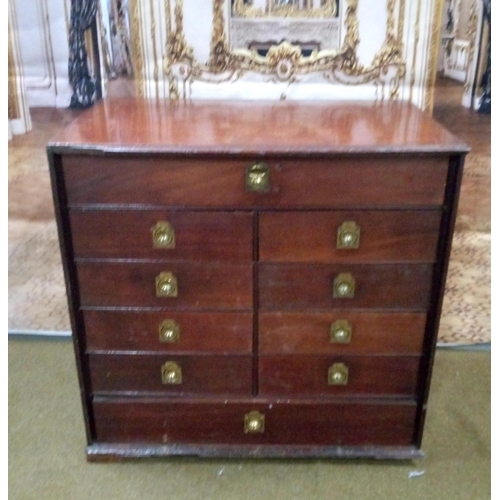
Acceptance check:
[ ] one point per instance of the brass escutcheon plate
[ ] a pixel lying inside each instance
(166, 285)
(254, 422)
(344, 286)
(338, 374)
(348, 236)
(163, 235)
(341, 332)
(171, 373)
(169, 331)
(257, 178)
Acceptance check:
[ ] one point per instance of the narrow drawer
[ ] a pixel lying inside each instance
(199, 285)
(341, 332)
(154, 234)
(378, 181)
(311, 286)
(354, 375)
(319, 423)
(169, 374)
(349, 236)
(189, 333)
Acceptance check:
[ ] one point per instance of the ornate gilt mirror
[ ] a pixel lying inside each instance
(283, 41)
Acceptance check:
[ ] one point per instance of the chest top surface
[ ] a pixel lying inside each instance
(134, 125)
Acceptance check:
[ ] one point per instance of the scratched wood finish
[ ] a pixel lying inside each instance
(142, 373)
(203, 236)
(372, 333)
(310, 286)
(385, 236)
(197, 127)
(368, 375)
(382, 181)
(215, 332)
(315, 423)
(200, 285)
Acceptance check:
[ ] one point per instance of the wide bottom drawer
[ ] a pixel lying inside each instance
(340, 423)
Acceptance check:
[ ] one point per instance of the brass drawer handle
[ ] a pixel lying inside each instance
(258, 177)
(338, 374)
(171, 373)
(169, 331)
(348, 236)
(341, 332)
(166, 285)
(163, 235)
(254, 423)
(344, 286)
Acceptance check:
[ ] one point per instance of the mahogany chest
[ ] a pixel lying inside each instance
(255, 279)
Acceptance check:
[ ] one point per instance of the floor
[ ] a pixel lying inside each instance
(47, 446)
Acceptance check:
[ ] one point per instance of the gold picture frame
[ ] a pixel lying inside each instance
(284, 62)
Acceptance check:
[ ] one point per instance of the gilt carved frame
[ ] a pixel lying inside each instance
(284, 62)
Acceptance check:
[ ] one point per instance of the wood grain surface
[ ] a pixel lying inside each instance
(282, 127)
(385, 236)
(142, 373)
(315, 423)
(310, 286)
(200, 286)
(372, 333)
(127, 234)
(380, 181)
(214, 332)
(368, 375)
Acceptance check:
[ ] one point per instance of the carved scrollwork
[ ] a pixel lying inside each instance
(284, 9)
(285, 62)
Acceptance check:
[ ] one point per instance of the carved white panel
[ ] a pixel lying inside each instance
(42, 30)
(22, 122)
(456, 61)
(372, 28)
(198, 27)
(325, 32)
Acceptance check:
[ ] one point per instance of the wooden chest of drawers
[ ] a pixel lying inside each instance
(251, 279)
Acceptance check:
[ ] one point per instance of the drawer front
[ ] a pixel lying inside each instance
(381, 181)
(302, 286)
(341, 332)
(223, 333)
(360, 375)
(320, 423)
(384, 236)
(152, 234)
(200, 286)
(196, 374)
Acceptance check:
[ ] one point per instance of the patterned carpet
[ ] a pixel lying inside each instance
(37, 300)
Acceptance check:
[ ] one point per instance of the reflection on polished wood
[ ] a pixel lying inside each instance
(274, 127)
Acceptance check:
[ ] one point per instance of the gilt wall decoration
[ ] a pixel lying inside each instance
(293, 49)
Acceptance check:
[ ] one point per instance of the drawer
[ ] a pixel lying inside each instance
(377, 181)
(199, 285)
(196, 332)
(153, 234)
(311, 286)
(341, 332)
(186, 374)
(360, 375)
(134, 420)
(349, 236)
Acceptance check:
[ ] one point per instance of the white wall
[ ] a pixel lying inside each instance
(42, 31)
(20, 122)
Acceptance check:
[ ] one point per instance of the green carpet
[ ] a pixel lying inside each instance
(47, 446)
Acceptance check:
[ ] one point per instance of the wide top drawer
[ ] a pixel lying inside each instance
(367, 181)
